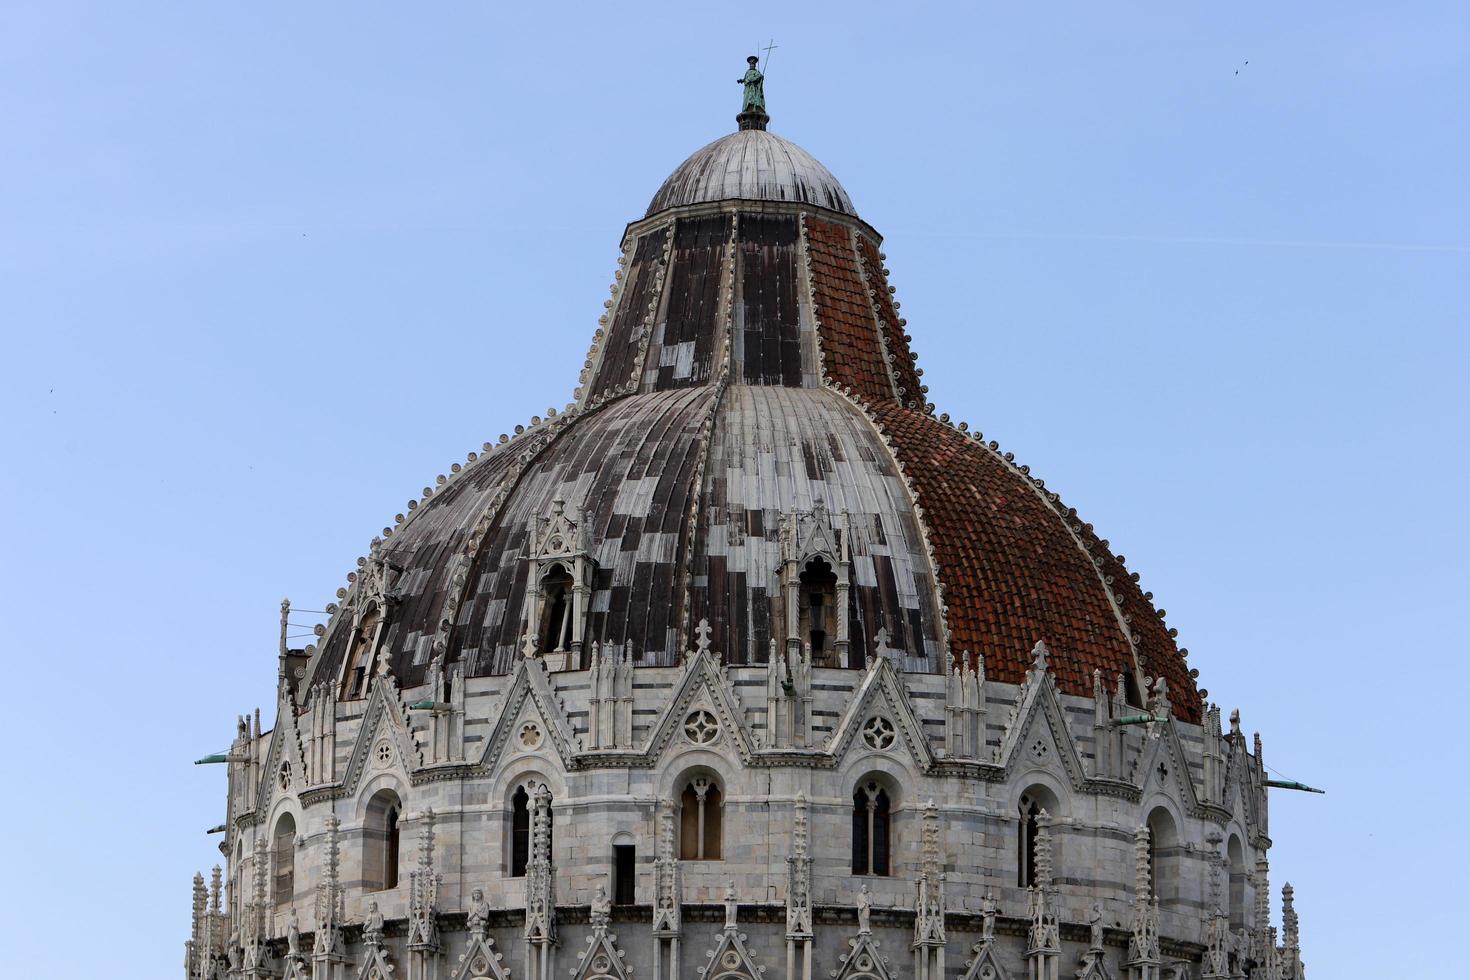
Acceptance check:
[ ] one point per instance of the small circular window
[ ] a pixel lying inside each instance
(530, 735)
(879, 733)
(701, 727)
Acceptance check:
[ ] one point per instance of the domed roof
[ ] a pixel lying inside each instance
(752, 165)
(751, 403)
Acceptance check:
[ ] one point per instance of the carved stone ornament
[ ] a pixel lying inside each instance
(879, 733)
(701, 727)
(531, 736)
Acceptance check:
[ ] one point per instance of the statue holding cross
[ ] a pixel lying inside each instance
(754, 82)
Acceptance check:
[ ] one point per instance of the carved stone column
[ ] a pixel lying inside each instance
(1143, 945)
(540, 892)
(1043, 938)
(667, 898)
(328, 954)
(424, 951)
(799, 899)
(929, 935)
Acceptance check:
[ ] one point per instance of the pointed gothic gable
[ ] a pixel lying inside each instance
(480, 961)
(285, 747)
(1038, 731)
(1162, 764)
(529, 690)
(602, 959)
(816, 537)
(862, 961)
(296, 969)
(558, 534)
(881, 692)
(384, 719)
(731, 960)
(1239, 796)
(703, 684)
(986, 965)
(375, 964)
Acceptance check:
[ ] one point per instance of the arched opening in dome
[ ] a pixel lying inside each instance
(1163, 855)
(283, 860)
(556, 610)
(381, 835)
(872, 828)
(1036, 799)
(357, 669)
(1235, 893)
(701, 819)
(818, 617)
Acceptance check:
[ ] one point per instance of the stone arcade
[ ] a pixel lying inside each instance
(745, 664)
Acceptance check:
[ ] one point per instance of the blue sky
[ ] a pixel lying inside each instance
(266, 269)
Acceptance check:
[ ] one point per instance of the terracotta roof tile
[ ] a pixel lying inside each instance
(905, 372)
(1013, 573)
(851, 355)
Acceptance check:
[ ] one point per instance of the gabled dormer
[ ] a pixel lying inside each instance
(816, 575)
(558, 587)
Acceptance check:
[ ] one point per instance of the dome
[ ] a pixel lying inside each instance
(746, 623)
(751, 388)
(680, 496)
(751, 165)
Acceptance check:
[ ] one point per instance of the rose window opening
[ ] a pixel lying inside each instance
(530, 735)
(701, 727)
(879, 733)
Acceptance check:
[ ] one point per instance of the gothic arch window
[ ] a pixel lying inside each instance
(1026, 852)
(520, 832)
(701, 819)
(381, 841)
(522, 825)
(1235, 894)
(872, 829)
(624, 870)
(357, 670)
(283, 861)
(558, 587)
(556, 610)
(393, 831)
(817, 596)
(1033, 801)
(816, 602)
(1163, 859)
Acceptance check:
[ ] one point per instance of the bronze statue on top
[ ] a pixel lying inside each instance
(754, 82)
